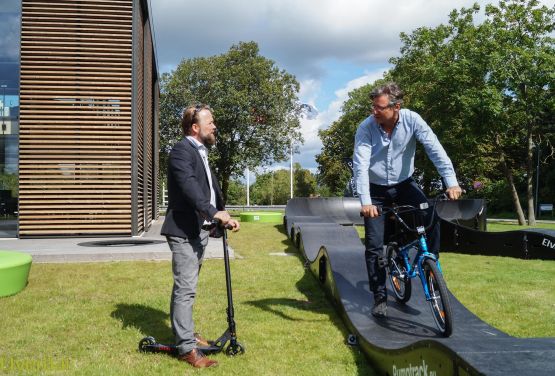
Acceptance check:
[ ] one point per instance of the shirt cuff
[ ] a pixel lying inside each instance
(365, 200)
(451, 181)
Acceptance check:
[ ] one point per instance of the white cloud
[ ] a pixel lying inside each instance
(296, 34)
(325, 118)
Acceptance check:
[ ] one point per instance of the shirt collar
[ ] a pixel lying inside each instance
(199, 145)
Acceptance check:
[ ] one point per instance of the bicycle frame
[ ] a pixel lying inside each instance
(415, 269)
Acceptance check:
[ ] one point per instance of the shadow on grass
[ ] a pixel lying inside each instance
(316, 302)
(149, 321)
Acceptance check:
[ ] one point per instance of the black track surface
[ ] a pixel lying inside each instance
(408, 338)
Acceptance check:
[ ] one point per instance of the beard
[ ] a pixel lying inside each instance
(208, 139)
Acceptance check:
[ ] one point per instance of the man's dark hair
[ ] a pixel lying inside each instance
(392, 90)
(190, 117)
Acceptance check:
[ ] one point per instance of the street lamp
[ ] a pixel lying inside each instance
(538, 152)
(3, 86)
(291, 167)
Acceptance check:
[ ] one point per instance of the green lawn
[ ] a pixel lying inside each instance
(87, 319)
(495, 226)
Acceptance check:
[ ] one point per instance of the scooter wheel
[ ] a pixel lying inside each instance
(236, 349)
(146, 343)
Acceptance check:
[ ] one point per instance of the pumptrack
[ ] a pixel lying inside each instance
(407, 342)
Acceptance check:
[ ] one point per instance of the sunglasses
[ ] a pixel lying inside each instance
(199, 108)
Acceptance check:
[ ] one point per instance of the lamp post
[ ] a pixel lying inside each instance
(538, 151)
(3, 86)
(291, 167)
(248, 188)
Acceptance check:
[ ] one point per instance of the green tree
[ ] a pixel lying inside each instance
(271, 188)
(486, 89)
(274, 187)
(255, 105)
(236, 193)
(304, 182)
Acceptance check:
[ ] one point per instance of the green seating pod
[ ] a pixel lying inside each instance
(267, 217)
(14, 271)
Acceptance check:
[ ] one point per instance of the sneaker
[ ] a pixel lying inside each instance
(380, 308)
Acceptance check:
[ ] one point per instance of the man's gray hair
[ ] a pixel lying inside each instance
(392, 90)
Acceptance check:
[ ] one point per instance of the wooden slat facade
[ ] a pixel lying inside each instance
(88, 118)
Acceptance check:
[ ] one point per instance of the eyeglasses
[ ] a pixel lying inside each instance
(377, 108)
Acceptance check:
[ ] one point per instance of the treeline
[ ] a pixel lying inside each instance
(274, 187)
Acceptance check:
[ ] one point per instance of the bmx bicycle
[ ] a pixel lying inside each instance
(401, 270)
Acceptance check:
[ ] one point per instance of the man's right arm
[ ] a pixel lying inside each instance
(361, 164)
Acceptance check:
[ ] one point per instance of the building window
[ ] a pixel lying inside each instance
(10, 26)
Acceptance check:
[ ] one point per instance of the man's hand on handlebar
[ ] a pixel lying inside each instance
(233, 225)
(225, 219)
(370, 211)
(453, 193)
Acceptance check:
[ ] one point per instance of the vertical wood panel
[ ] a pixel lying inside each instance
(139, 125)
(148, 124)
(75, 125)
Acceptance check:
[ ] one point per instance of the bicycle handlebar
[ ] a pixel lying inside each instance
(397, 210)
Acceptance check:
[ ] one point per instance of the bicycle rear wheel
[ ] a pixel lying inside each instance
(397, 274)
(439, 302)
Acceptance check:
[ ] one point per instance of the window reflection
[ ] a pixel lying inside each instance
(10, 26)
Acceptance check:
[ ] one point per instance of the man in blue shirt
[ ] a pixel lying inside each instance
(383, 162)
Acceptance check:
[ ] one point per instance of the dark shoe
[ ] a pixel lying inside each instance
(202, 342)
(380, 308)
(197, 359)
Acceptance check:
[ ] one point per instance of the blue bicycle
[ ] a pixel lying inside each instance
(424, 264)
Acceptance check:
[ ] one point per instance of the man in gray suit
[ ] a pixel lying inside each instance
(195, 201)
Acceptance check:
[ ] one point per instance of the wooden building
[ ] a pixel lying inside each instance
(88, 144)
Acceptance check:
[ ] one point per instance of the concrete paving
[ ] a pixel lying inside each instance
(58, 250)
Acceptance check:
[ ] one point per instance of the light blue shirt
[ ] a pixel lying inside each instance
(388, 160)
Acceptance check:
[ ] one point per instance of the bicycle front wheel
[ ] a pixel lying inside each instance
(397, 274)
(439, 302)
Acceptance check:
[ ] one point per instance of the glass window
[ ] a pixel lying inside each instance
(10, 42)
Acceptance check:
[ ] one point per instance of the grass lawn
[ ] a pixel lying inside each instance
(87, 319)
(495, 226)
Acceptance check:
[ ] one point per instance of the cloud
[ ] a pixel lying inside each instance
(298, 35)
(310, 128)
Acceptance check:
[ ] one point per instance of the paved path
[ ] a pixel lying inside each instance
(56, 250)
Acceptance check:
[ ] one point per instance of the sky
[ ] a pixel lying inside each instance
(331, 46)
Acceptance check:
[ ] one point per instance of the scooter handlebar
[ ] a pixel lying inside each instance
(217, 222)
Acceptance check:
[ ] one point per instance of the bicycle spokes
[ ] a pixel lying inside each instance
(439, 299)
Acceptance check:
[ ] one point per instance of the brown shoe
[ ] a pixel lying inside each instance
(202, 342)
(197, 359)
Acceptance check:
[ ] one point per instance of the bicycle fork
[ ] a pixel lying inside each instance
(420, 261)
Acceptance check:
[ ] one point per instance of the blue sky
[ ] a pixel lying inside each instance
(331, 46)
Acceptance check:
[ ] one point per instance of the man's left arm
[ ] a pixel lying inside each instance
(435, 151)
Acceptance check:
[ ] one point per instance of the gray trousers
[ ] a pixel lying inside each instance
(187, 256)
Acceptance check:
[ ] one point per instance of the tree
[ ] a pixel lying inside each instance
(486, 89)
(255, 105)
(273, 188)
(304, 182)
(236, 193)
